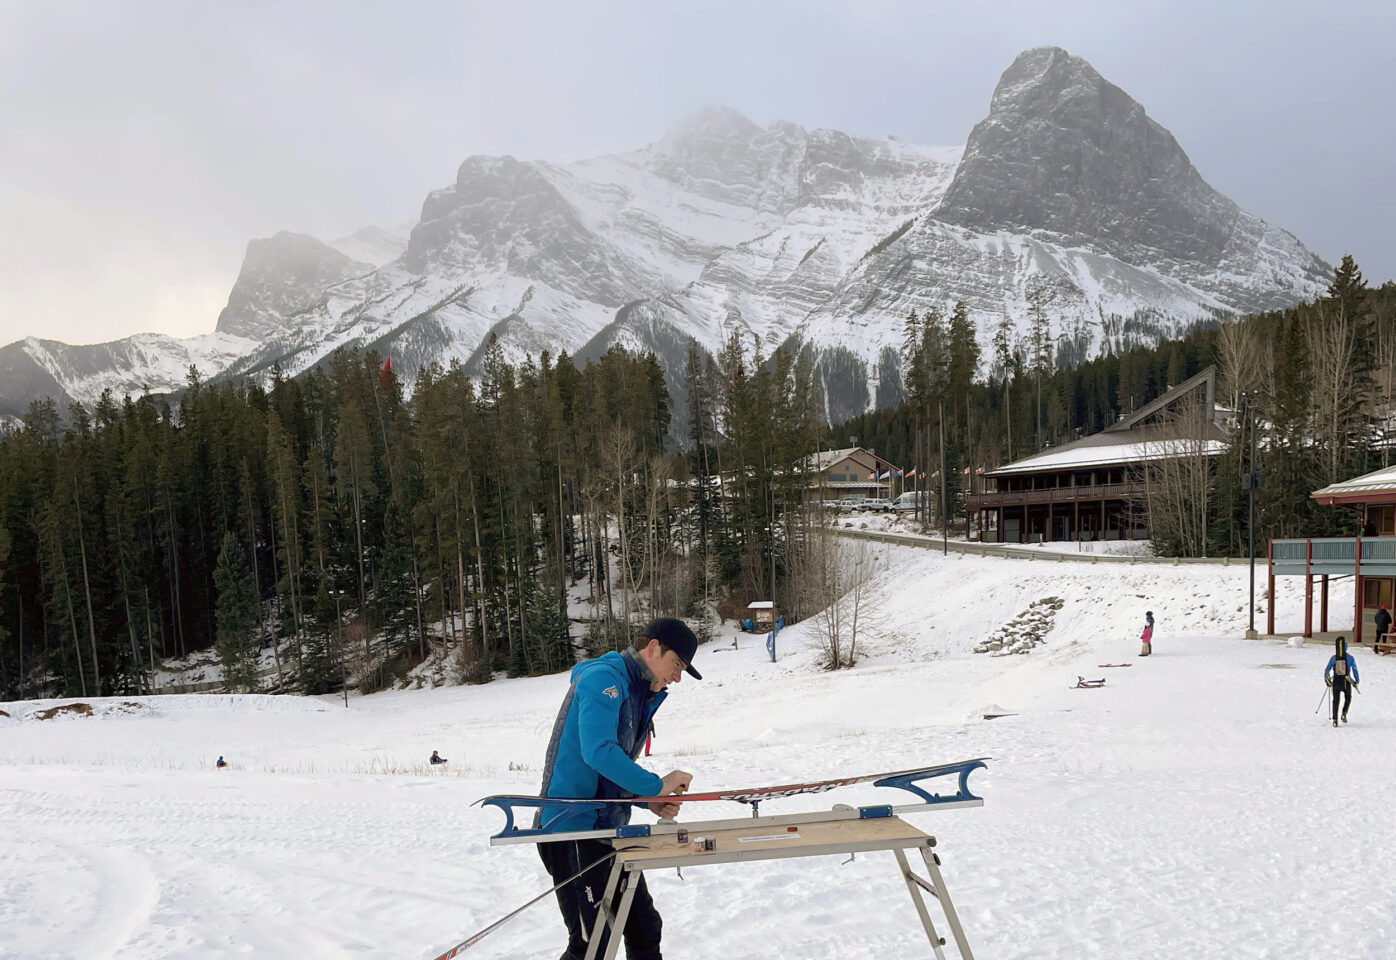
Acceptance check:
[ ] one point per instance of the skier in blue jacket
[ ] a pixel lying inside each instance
(600, 729)
(1341, 676)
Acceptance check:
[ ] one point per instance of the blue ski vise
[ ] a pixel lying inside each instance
(507, 805)
(908, 781)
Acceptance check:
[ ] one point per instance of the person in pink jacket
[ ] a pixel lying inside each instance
(1148, 635)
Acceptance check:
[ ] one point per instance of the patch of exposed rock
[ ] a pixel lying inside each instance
(1024, 631)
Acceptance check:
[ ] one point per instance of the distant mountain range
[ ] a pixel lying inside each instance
(812, 238)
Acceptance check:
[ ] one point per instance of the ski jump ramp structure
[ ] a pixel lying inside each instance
(844, 829)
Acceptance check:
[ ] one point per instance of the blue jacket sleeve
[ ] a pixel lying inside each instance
(1352, 669)
(598, 700)
(1329, 669)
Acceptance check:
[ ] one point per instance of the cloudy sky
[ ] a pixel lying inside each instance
(146, 142)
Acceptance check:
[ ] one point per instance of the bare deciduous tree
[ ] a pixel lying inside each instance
(834, 579)
(1245, 361)
(1340, 391)
(1179, 480)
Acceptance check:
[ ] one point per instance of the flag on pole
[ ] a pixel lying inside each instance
(771, 638)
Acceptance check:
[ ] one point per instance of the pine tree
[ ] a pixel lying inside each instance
(1289, 459)
(317, 673)
(236, 617)
(1039, 296)
(1347, 289)
(5, 547)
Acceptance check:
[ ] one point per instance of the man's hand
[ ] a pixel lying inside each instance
(675, 781)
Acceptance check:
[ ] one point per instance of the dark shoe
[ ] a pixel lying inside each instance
(1345, 718)
(1335, 723)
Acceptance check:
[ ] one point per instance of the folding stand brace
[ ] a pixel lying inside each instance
(742, 841)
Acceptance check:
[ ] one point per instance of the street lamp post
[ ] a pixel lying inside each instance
(944, 507)
(339, 637)
(1252, 481)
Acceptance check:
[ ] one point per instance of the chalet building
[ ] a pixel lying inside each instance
(1095, 488)
(852, 473)
(1368, 556)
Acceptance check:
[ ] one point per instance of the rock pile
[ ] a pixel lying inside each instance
(1024, 631)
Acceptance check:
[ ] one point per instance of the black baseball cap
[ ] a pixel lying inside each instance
(675, 635)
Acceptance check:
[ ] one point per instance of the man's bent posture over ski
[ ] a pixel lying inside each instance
(599, 731)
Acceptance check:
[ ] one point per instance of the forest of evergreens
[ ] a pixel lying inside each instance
(369, 530)
(369, 526)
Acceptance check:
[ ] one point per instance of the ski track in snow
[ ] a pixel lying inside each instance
(1194, 807)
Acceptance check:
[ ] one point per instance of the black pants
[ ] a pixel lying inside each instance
(578, 900)
(1344, 686)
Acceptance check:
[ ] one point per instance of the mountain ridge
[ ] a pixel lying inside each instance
(815, 239)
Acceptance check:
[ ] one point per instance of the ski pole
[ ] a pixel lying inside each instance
(1323, 699)
(475, 938)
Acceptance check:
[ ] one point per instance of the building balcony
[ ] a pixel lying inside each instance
(1335, 556)
(1056, 495)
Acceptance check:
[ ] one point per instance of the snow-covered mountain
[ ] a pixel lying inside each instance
(33, 368)
(814, 238)
(375, 245)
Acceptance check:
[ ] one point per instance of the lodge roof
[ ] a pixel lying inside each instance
(1142, 436)
(1379, 484)
(825, 459)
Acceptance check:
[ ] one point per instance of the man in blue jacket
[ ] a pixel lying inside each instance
(600, 729)
(1341, 675)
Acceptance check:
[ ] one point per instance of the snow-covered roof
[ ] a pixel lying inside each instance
(1145, 435)
(1369, 484)
(1074, 456)
(827, 458)
(761, 605)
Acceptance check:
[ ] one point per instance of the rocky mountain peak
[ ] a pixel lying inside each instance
(281, 276)
(1065, 152)
(720, 154)
(707, 128)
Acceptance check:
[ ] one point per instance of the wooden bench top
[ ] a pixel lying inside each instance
(750, 839)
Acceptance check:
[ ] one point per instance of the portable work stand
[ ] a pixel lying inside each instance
(738, 841)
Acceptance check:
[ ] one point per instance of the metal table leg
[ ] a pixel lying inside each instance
(630, 883)
(913, 886)
(603, 911)
(943, 896)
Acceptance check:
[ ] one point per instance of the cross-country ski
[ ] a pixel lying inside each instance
(907, 780)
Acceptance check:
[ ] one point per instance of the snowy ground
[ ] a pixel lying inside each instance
(1194, 807)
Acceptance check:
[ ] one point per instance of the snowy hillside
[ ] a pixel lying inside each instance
(1195, 806)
